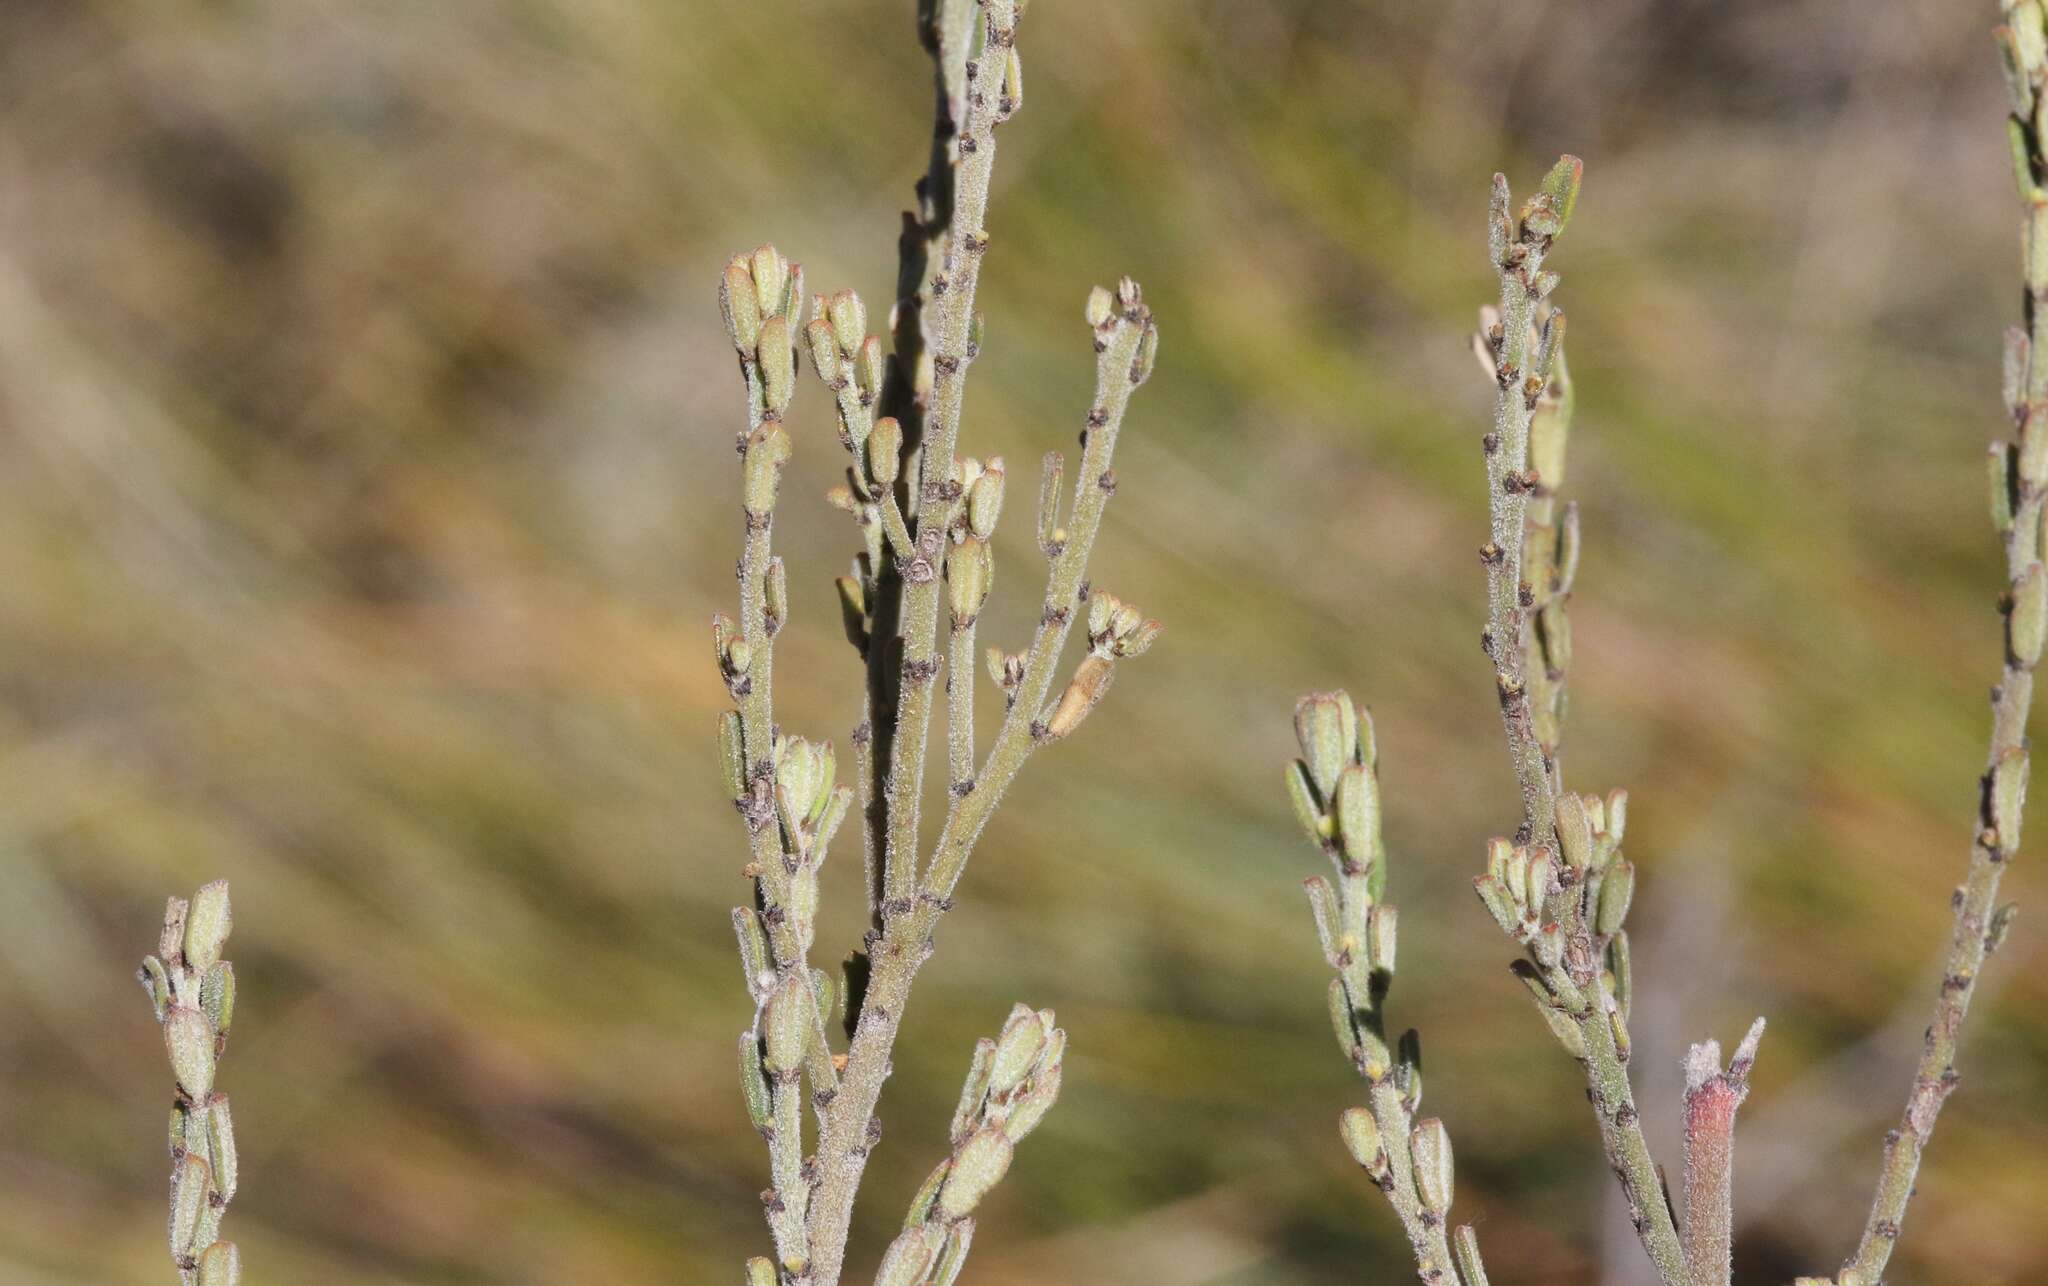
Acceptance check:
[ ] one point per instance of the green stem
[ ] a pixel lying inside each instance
(850, 1128)
(1992, 848)
(953, 290)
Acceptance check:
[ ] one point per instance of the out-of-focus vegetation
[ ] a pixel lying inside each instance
(365, 487)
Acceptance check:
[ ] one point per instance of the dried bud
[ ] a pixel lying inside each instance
(1090, 681)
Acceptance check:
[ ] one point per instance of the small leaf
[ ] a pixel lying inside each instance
(207, 925)
(189, 1039)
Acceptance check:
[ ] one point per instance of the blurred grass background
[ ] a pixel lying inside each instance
(366, 483)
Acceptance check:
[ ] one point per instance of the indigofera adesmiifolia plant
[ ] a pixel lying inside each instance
(924, 565)
(192, 992)
(1561, 887)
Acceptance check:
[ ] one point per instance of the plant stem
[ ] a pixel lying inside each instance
(953, 291)
(1711, 1099)
(850, 1128)
(2021, 477)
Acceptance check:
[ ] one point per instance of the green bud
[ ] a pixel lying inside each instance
(207, 924)
(1017, 1050)
(755, 960)
(974, 1090)
(1617, 814)
(870, 368)
(1006, 668)
(220, 1145)
(1342, 1020)
(771, 281)
(1617, 888)
(1380, 925)
(778, 365)
(1565, 1028)
(978, 1165)
(221, 1265)
(189, 1038)
(736, 303)
(907, 1261)
(1430, 1146)
(1307, 808)
(1101, 309)
(189, 1185)
(1408, 1074)
(786, 1026)
(767, 452)
(1358, 814)
(1623, 976)
(1030, 1109)
(2009, 797)
(1326, 724)
(849, 317)
(1548, 944)
(960, 1237)
(2019, 86)
(1574, 831)
(885, 451)
(824, 348)
(732, 757)
(1542, 872)
(927, 1195)
(1361, 1135)
(1561, 185)
(2027, 623)
(1494, 894)
(985, 500)
(1465, 1246)
(761, 1271)
(754, 1082)
(969, 570)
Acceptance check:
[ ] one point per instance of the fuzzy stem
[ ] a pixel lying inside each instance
(953, 291)
(850, 1128)
(1516, 353)
(960, 706)
(1711, 1099)
(1997, 839)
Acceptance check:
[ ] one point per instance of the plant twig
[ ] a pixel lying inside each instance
(1712, 1096)
(192, 992)
(2019, 474)
(1335, 790)
(1561, 888)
